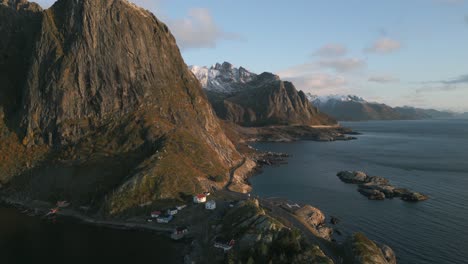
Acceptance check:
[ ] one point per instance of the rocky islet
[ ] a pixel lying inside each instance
(379, 188)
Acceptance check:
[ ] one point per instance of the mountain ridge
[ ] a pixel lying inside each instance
(355, 108)
(250, 99)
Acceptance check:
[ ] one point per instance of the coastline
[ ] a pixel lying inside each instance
(239, 176)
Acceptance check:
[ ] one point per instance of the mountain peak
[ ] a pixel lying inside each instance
(101, 89)
(324, 99)
(223, 78)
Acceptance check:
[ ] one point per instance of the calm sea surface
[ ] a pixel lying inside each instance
(31, 240)
(428, 156)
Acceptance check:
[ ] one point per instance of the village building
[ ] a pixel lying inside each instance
(210, 205)
(165, 219)
(172, 211)
(225, 245)
(179, 233)
(200, 198)
(155, 214)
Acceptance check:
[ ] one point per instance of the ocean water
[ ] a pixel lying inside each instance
(427, 156)
(26, 240)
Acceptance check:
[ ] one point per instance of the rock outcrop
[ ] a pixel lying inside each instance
(378, 188)
(361, 250)
(315, 219)
(100, 87)
(262, 239)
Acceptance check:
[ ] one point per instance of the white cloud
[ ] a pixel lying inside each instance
(320, 83)
(343, 65)
(383, 79)
(384, 45)
(199, 30)
(308, 77)
(331, 50)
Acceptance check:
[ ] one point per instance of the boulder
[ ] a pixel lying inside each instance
(414, 197)
(372, 194)
(311, 215)
(325, 232)
(389, 254)
(353, 177)
(378, 180)
(334, 220)
(388, 190)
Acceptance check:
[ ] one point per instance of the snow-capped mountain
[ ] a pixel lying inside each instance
(335, 98)
(250, 99)
(223, 78)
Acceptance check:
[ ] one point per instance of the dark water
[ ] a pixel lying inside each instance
(428, 156)
(29, 240)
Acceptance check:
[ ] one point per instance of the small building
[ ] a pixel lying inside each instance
(224, 245)
(207, 193)
(172, 211)
(181, 230)
(179, 233)
(155, 214)
(210, 205)
(200, 198)
(165, 219)
(180, 207)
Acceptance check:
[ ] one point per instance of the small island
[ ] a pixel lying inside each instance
(379, 188)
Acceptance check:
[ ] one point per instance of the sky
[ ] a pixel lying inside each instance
(398, 52)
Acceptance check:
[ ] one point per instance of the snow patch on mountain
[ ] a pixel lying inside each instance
(324, 99)
(223, 78)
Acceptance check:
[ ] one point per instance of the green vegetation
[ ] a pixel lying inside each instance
(14, 156)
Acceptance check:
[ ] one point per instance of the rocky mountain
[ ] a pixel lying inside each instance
(250, 99)
(223, 78)
(98, 107)
(409, 112)
(354, 108)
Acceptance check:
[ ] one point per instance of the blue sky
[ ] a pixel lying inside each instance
(400, 52)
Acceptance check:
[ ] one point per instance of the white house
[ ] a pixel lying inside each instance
(165, 219)
(172, 211)
(210, 205)
(200, 198)
(224, 245)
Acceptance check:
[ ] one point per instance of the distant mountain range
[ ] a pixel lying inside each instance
(250, 99)
(354, 108)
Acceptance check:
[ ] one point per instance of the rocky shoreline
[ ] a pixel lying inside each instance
(379, 188)
(296, 133)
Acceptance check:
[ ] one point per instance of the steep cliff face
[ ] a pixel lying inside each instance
(108, 93)
(249, 99)
(19, 24)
